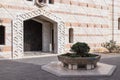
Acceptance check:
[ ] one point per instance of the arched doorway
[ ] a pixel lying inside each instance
(18, 31)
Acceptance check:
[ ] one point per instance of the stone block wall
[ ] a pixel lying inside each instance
(91, 20)
(116, 17)
(9, 9)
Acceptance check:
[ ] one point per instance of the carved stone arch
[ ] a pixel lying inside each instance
(18, 31)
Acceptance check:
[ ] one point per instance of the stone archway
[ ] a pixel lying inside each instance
(18, 31)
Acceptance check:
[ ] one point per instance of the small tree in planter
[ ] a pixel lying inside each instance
(80, 48)
(79, 57)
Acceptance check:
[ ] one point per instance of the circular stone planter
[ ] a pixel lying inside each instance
(79, 62)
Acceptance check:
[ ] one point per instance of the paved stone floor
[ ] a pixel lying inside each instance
(30, 69)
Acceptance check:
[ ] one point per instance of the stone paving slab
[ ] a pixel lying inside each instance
(57, 69)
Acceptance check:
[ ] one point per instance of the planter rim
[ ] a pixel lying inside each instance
(80, 57)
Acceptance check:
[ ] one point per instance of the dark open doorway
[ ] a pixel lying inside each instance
(2, 35)
(52, 39)
(32, 36)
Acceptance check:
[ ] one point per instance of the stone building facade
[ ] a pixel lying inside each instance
(54, 25)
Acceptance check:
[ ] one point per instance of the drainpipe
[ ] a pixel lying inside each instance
(12, 39)
(113, 20)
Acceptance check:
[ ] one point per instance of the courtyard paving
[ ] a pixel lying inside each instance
(30, 69)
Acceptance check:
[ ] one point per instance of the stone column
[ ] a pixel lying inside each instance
(46, 37)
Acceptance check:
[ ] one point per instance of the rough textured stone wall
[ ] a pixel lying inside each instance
(91, 20)
(9, 9)
(116, 16)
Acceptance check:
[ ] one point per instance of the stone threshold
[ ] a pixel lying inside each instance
(38, 56)
(35, 54)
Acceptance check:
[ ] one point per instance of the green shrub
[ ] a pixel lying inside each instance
(80, 48)
(111, 46)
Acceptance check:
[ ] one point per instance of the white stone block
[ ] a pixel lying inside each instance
(92, 66)
(70, 66)
(88, 66)
(74, 67)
